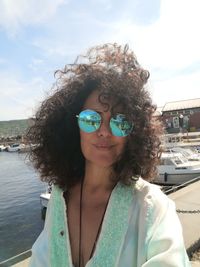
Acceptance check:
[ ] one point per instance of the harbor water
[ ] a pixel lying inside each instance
(20, 210)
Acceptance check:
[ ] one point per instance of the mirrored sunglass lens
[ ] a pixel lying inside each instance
(89, 121)
(120, 126)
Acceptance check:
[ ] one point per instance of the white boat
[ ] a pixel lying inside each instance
(175, 169)
(44, 197)
(2, 147)
(15, 147)
(189, 153)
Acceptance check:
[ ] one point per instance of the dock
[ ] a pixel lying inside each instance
(187, 202)
(23, 263)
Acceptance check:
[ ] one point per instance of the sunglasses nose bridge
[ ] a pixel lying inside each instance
(104, 129)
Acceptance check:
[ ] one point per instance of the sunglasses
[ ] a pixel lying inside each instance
(89, 121)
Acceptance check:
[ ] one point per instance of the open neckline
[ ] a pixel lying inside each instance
(99, 237)
(112, 234)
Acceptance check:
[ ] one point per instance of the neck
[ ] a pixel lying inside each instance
(98, 178)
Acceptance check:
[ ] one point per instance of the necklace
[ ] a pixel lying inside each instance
(80, 228)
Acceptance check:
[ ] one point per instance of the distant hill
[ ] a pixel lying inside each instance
(13, 127)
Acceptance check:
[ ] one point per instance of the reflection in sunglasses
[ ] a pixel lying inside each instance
(89, 121)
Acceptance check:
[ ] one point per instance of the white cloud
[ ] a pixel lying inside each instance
(181, 87)
(170, 42)
(165, 47)
(19, 98)
(82, 30)
(36, 64)
(20, 13)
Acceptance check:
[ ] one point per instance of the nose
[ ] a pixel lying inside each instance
(104, 129)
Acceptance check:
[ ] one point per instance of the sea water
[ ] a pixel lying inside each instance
(20, 209)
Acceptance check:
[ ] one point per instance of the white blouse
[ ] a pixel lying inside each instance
(140, 229)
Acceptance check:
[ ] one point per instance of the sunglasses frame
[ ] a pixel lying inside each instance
(116, 131)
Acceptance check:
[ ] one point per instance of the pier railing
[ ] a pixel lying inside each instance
(14, 260)
(173, 188)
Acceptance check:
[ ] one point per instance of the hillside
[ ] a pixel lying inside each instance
(13, 127)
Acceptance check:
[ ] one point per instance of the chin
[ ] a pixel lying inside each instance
(103, 163)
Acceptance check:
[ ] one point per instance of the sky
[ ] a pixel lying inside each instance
(39, 37)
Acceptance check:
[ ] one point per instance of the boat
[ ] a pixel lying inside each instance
(15, 147)
(44, 197)
(176, 169)
(2, 148)
(189, 153)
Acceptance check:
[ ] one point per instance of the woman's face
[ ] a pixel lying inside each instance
(101, 147)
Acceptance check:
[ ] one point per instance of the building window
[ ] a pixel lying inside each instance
(187, 111)
(176, 122)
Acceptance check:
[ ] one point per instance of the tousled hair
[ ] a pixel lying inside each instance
(113, 70)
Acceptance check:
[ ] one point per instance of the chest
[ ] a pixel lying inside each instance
(84, 226)
(112, 243)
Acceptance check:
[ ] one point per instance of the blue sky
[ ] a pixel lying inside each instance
(39, 37)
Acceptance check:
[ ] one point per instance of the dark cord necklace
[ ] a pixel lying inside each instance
(80, 228)
(80, 225)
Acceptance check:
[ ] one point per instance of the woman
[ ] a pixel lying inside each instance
(97, 143)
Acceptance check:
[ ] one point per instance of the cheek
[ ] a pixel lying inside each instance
(121, 141)
(84, 138)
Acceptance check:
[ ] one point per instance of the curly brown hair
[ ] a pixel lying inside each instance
(114, 71)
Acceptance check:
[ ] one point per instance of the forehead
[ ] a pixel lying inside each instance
(92, 100)
(97, 101)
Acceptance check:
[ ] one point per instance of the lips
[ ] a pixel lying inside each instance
(103, 146)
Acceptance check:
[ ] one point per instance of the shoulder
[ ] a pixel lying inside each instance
(149, 192)
(150, 198)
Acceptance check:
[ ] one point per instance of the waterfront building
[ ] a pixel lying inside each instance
(180, 116)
